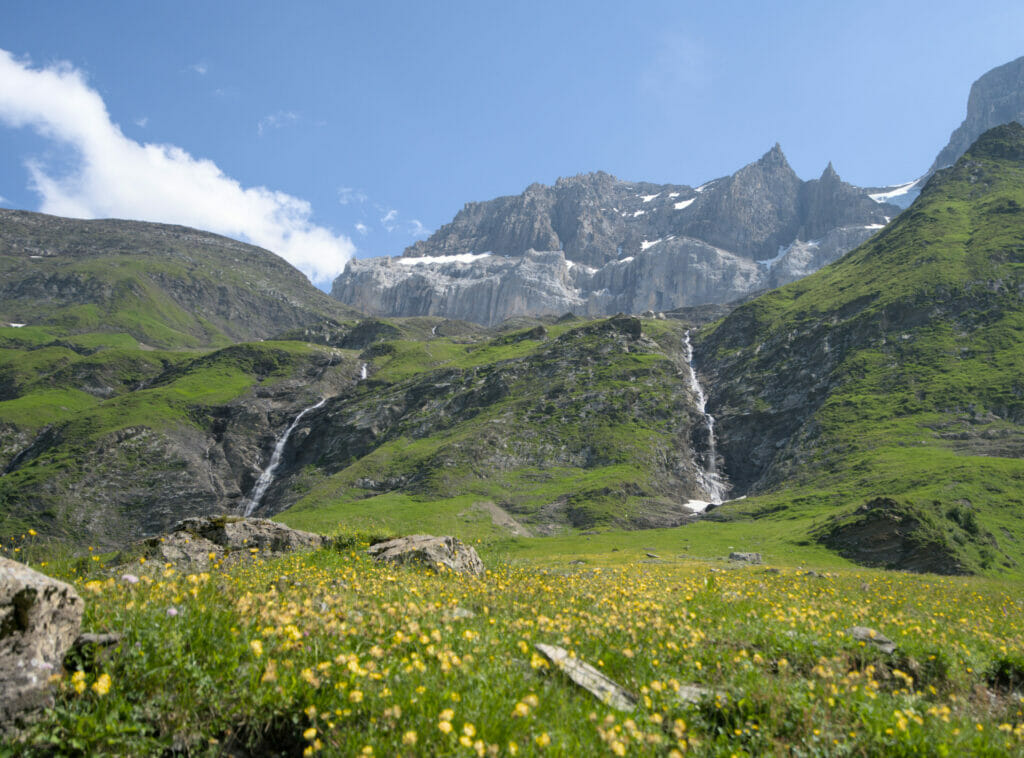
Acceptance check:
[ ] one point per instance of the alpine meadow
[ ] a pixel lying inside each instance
(605, 467)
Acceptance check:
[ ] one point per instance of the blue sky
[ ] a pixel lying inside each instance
(328, 129)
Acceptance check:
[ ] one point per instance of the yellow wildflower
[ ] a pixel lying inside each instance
(102, 685)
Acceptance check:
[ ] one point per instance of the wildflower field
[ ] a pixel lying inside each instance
(328, 653)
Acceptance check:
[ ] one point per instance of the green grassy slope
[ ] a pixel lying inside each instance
(101, 441)
(897, 372)
(580, 424)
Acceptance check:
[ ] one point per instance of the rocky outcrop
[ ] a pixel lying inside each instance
(595, 245)
(196, 544)
(431, 552)
(39, 620)
(885, 534)
(996, 98)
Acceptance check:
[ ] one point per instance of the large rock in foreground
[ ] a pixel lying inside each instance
(430, 551)
(197, 543)
(40, 618)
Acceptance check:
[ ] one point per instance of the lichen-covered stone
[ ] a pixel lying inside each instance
(198, 543)
(40, 618)
(430, 551)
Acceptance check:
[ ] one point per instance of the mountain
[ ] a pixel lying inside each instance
(996, 98)
(883, 396)
(164, 285)
(566, 424)
(595, 245)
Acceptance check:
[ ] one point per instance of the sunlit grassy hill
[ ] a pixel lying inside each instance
(167, 286)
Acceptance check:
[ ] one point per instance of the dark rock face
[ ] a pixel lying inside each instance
(595, 245)
(996, 98)
(429, 551)
(39, 620)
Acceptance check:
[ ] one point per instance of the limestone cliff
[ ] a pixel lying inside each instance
(595, 245)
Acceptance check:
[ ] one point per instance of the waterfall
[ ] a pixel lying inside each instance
(362, 372)
(267, 477)
(712, 481)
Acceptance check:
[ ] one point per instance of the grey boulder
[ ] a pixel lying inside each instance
(40, 618)
(429, 551)
(197, 543)
(754, 558)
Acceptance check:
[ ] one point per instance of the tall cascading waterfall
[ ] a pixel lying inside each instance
(710, 478)
(267, 477)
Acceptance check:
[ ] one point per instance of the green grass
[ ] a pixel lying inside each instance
(46, 407)
(327, 653)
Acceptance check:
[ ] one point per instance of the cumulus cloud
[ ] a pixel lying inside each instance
(276, 121)
(360, 227)
(118, 177)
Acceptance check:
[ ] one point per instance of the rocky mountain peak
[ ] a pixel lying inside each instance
(597, 180)
(829, 175)
(996, 98)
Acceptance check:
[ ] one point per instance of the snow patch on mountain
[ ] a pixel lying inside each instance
(431, 259)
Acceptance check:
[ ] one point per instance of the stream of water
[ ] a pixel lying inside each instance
(267, 477)
(707, 469)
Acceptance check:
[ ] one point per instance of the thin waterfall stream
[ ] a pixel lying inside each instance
(267, 477)
(707, 470)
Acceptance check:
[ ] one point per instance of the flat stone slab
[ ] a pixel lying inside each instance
(588, 677)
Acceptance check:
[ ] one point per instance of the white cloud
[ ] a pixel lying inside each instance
(388, 219)
(276, 121)
(200, 68)
(416, 228)
(362, 228)
(3, 200)
(347, 195)
(119, 177)
(142, 121)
